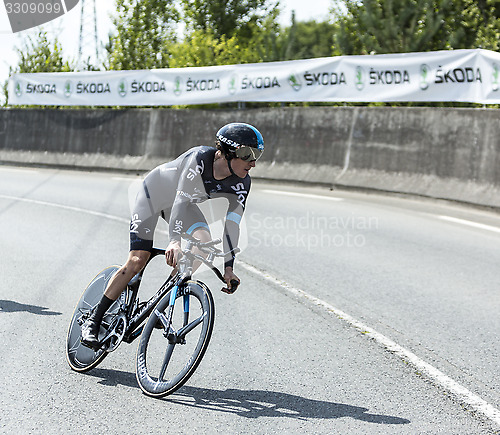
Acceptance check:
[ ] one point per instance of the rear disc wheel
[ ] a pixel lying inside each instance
(82, 358)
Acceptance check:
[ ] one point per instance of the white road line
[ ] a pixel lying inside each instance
(470, 223)
(303, 195)
(131, 178)
(462, 393)
(66, 207)
(11, 169)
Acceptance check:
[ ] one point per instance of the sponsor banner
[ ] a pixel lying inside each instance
(459, 75)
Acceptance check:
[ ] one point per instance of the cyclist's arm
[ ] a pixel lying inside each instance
(234, 215)
(228, 277)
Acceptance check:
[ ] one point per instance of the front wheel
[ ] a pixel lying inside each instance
(80, 357)
(166, 358)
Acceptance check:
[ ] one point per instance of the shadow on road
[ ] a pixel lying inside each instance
(260, 403)
(253, 403)
(113, 378)
(15, 307)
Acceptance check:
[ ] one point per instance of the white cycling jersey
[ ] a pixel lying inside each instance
(172, 191)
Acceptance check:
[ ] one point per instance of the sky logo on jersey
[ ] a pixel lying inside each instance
(25, 15)
(178, 226)
(134, 224)
(240, 191)
(198, 170)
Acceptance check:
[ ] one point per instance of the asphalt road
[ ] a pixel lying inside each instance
(422, 274)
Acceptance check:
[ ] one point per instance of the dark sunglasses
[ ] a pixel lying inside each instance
(248, 153)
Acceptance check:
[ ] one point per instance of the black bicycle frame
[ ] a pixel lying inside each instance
(134, 327)
(135, 320)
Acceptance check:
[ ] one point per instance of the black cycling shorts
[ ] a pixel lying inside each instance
(194, 220)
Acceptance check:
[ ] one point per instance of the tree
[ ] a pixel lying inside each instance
(204, 49)
(39, 54)
(475, 24)
(308, 39)
(264, 42)
(395, 26)
(240, 18)
(391, 26)
(145, 31)
(221, 32)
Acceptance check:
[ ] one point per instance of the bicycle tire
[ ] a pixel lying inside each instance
(153, 345)
(81, 358)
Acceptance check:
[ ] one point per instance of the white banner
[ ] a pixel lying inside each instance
(459, 75)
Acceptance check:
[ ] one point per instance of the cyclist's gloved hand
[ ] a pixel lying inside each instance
(172, 252)
(232, 281)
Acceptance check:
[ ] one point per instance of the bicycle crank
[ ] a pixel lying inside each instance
(115, 333)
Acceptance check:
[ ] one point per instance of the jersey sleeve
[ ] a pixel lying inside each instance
(236, 208)
(189, 190)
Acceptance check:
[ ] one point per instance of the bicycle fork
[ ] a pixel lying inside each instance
(172, 336)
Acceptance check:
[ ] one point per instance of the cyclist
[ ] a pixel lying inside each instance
(172, 191)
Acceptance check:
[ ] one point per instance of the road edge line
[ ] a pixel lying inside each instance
(460, 392)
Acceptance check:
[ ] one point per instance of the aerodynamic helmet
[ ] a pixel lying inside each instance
(240, 140)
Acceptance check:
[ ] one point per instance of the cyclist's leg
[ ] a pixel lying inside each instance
(144, 219)
(136, 261)
(142, 226)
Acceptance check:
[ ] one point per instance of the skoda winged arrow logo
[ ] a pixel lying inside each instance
(360, 84)
(496, 77)
(122, 88)
(294, 81)
(68, 89)
(177, 86)
(232, 84)
(17, 89)
(424, 76)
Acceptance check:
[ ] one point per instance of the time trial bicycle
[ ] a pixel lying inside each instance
(179, 316)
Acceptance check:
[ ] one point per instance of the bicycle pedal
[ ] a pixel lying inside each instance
(91, 345)
(173, 339)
